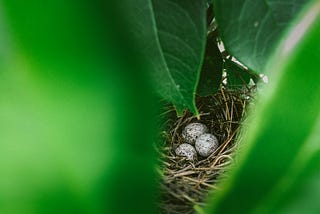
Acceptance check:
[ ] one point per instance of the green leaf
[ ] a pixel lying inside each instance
(237, 77)
(298, 191)
(171, 34)
(279, 157)
(76, 111)
(252, 29)
(211, 71)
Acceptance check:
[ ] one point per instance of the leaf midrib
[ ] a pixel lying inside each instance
(154, 26)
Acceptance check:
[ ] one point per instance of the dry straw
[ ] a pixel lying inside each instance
(184, 183)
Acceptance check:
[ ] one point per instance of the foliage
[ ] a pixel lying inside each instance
(171, 35)
(211, 71)
(71, 96)
(251, 30)
(280, 155)
(77, 106)
(237, 76)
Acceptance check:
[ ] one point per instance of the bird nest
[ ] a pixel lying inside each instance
(187, 183)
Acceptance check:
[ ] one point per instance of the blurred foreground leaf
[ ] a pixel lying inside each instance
(278, 169)
(71, 95)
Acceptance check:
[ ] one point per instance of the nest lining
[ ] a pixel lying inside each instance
(187, 183)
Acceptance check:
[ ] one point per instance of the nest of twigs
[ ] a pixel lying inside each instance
(187, 183)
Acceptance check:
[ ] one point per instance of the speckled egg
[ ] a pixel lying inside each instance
(206, 144)
(186, 150)
(192, 131)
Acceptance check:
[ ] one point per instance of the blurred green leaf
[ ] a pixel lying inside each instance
(211, 71)
(172, 36)
(279, 158)
(71, 95)
(252, 29)
(299, 190)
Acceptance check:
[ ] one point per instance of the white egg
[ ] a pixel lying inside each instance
(206, 144)
(192, 131)
(186, 150)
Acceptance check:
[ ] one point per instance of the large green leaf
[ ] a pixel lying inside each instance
(71, 96)
(252, 29)
(298, 191)
(211, 71)
(171, 33)
(279, 158)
